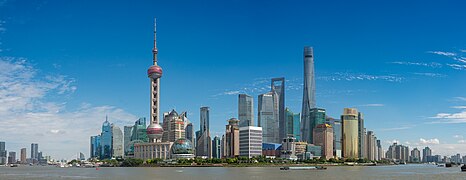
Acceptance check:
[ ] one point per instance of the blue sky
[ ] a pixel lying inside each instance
(65, 65)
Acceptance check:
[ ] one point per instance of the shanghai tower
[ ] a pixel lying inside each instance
(309, 90)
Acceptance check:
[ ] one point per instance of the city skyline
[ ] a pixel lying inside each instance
(68, 85)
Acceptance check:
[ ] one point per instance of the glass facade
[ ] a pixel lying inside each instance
(316, 117)
(106, 141)
(336, 124)
(245, 110)
(117, 141)
(350, 133)
(268, 117)
(95, 147)
(216, 148)
(278, 87)
(293, 124)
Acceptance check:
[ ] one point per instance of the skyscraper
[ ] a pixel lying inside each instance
(426, 152)
(336, 124)
(216, 148)
(3, 154)
(323, 137)
(316, 117)
(35, 152)
(204, 142)
(415, 156)
(127, 132)
(23, 156)
(293, 124)
(95, 147)
(231, 146)
(350, 133)
(245, 110)
(189, 133)
(117, 141)
(12, 157)
(154, 130)
(379, 151)
(106, 140)
(278, 87)
(362, 138)
(309, 90)
(173, 126)
(268, 117)
(250, 141)
(371, 148)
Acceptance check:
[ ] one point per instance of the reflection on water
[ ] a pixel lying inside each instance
(234, 173)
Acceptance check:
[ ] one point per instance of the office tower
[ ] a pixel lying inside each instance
(316, 117)
(362, 137)
(398, 152)
(35, 152)
(154, 130)
(106, 140)
(3, 154)
(425, 153)
(95, 147)
(268, 117)
(127, 132)
(289, 148)
(12, 157)
(250, 143)
(117, 141)
(278, 87)
(350, 133)
(245, 110)
(323, 137)
(371, 146)
(379, 151)
(204, 142)
(216, 147)
(231, 146)
(415, 156)
(139, 133)
(293, 124)
(173, 126)
(309, 101)
(189, 133)
(336, 125)
(23, 156)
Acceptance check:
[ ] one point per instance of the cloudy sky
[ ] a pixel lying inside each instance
(64, 66)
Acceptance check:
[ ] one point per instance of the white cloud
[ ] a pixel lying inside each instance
(360, 77)
(397, 128)
(460, 98)
(459, 107)
(450, 118)
(28, 115)
(431, 74)
(442, 53)
(458, 136)
(457, 66)
(371, 105)
(431, 64)
(428, 141)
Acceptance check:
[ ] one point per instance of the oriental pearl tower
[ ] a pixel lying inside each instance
(154, 130)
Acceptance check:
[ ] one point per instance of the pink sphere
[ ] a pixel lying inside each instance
(154, 131)
(154, 72)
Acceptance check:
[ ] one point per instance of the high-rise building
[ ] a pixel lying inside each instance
(309, 89)
(189, 133)
(138, 135)
(127, 133)
(316, 117)
(288, 148)
(425, 153)
(336, 124)
(81, 156)
(23, 156)
(415, 156)
(379, 151)
(372, 150)
(350, 133)
(268, 117)
(154, 130)
(12, 157)
(3, 154)
(250, 141)
(245, 110)
(106, 140)
(231, 141)
(293, 124)
(362, 139)
(398, 152)
(323, 137)
(35, 152)
(95, 147)
(278, 87)
(204, 141)
(117, 141)
(173, 126)
(216, 147)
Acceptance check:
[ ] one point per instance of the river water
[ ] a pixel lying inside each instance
(233, 173)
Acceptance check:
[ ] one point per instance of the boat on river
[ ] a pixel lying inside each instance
(303, 168)
(463, 168)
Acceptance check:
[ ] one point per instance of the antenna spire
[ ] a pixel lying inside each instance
(155, 51)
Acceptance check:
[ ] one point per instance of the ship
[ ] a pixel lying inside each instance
(303, 168)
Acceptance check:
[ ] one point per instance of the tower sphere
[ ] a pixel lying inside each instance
(154, 131)
(154, 72)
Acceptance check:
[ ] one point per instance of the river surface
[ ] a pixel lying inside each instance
(233, 173)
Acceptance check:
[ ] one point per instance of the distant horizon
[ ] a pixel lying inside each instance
(62, 70)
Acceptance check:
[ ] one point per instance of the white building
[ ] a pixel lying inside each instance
(250, 141)
(147, 151)
(117, 141)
